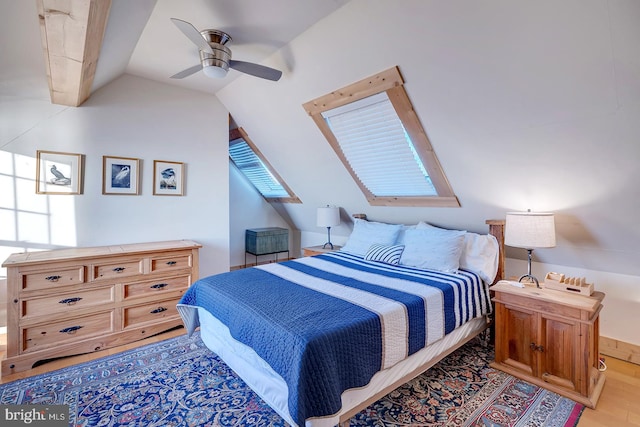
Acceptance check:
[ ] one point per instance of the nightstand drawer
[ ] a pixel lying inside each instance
(152, 312)
(157, 287)
(40, 336)
(118, 269)
(52, 279)
(176, 262)
(67, 302)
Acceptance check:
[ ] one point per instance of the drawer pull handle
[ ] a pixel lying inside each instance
(70, 301)
(171, 262)
(70, 330)
(159, 285)
(119, 269)
(53, 278)
(158, 310)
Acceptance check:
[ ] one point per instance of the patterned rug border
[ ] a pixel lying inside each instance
(179, 381)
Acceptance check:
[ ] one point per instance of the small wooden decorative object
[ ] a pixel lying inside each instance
(559, 282)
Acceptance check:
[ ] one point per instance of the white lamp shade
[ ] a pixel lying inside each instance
(530, 230)
(328, 216)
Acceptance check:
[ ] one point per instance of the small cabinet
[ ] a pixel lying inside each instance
(549, 338)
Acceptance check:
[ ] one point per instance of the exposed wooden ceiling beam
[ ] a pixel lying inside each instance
(72, 33)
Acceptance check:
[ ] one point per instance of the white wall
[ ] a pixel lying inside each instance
(248, 209)
(528, 105)
(130, 117)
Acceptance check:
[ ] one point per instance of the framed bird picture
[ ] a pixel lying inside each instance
(120, 175)
(168, 178)
(58, 173)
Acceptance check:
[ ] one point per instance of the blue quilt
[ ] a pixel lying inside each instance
(328, 323)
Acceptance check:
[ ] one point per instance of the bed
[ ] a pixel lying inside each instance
(320, 338)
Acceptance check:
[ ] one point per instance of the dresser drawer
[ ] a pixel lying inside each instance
(67, 302)
(152, 312)
(52, 278)
(168, 263)
(157, 287)
(55, 333)
(117, 269)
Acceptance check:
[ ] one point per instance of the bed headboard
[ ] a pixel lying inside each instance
(496, 228)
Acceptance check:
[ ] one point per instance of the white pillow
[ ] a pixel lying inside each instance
(479, 253)
(403, 229)
(366, 233)
(433, 248)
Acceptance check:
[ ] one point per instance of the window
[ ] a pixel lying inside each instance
(374, 130)
(248, 159)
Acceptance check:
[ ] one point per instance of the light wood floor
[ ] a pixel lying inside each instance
(618, 406)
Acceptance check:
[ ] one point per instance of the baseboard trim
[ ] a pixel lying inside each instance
(620, 350)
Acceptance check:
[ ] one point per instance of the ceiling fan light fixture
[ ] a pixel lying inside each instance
(214, 71)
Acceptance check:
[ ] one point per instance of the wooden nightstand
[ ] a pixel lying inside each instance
(317, 250)
(549, 338)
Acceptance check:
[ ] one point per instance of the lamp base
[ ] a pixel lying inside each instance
(530, 277)
(328, 244)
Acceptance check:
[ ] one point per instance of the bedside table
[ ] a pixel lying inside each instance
(317, 250)
(549, 338)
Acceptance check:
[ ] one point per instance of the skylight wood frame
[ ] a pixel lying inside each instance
(239, 133)
(391, 82)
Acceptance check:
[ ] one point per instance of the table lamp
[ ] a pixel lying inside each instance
(328, 216)
(530, 230)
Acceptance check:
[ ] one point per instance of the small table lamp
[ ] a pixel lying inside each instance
(530, 230)
(328, 216)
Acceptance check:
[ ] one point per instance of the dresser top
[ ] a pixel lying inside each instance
(26, 258)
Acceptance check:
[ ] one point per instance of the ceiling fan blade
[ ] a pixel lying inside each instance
(193, 34)
(186, 73)
(256, 70)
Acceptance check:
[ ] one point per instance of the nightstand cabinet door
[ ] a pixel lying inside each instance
(518, 332)
(559, 358)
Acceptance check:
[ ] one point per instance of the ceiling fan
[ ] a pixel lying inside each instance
(215, 57)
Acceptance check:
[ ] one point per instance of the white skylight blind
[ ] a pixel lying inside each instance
(255, 170)
(378, 148)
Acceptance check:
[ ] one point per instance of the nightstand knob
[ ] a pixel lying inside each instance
(535, 347)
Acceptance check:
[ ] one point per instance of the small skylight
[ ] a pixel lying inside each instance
(248, 159)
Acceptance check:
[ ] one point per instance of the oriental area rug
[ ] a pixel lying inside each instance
(179, 382)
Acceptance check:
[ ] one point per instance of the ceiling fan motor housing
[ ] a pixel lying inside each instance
(221, 54)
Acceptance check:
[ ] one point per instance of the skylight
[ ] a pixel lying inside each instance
(374, 130)
(248, 159)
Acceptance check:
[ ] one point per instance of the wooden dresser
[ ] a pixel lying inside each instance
(549, 338)
(81, 300)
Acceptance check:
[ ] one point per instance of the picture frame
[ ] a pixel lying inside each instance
(58, 172)
(168, 178)
(120, 175)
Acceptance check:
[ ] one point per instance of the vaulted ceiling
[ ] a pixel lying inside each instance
(140, 39)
